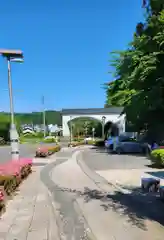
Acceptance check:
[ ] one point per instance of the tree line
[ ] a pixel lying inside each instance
(36, 118)
(138, 83)
(52, 117)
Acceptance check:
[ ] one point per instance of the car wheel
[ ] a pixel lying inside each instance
(111, 147)
(118, 150)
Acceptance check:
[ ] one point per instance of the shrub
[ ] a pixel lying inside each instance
(46, 151)
(91, 142)
(12, 173)
(54, 149)
(157, 157)
(49, 140)
(9, 183)
(42, 152)
(2, 199)
(100, 143)
(4, 131)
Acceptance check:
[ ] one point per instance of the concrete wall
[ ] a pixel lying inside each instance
(115, 118)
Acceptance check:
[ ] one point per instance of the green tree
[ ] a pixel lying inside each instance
(52, 117)
(139, 84)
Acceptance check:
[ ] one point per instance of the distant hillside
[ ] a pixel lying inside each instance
(52, 117)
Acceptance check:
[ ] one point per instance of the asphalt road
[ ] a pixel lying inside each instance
(26, 150)
(88, 204)
(98, 159)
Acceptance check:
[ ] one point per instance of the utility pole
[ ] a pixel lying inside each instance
(44, 117)
(103, 125)
(93, 134)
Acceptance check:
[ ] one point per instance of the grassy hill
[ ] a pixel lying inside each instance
(52, 117)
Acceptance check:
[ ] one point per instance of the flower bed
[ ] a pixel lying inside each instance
(47, 151)
(11, 175)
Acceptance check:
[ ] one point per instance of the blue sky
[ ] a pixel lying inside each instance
(67, 45)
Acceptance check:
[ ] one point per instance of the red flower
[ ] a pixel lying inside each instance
(1, 196)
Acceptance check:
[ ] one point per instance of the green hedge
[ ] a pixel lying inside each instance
(100, 143)
(46, 151)
(157, 157)
(49, 140)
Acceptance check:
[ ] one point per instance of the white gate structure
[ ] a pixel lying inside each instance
(112, 115)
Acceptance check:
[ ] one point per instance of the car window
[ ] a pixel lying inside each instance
(123, 139)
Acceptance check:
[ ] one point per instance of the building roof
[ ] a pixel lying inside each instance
(83, 111)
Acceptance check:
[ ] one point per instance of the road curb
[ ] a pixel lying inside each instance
(61, 236)
(93, 175)
(56, 213)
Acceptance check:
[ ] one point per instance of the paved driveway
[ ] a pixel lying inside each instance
(98, 159)
(26, 150)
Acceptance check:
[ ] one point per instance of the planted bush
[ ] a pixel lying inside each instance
(46, 151)
(54, 149)
(2, 199)
(157, 157)
(9, 183)
(100, 143)
(12, 173)
(49, 139)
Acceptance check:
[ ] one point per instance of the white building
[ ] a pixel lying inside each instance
(112, 115)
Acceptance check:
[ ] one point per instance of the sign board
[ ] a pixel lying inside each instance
(93, 129)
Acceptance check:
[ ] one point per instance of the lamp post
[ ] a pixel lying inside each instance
(12, 56)
(103, 125)
(70, 130)
(93, 134)
(44, 116)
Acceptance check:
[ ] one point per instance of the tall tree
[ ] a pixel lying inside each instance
(139, 84)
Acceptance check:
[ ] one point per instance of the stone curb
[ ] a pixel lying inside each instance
(93, 175)
(89, 233)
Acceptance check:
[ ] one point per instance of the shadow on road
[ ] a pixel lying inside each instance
(109, 152)
(154, 166)
(137, 206)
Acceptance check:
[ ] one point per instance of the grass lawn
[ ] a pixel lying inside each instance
(24, 139)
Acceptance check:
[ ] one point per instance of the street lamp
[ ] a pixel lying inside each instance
(70, 130)
(44, 116)
(12, 56)
(103, 125)
(93, 134)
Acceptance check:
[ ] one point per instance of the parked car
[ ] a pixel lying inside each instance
(109, 142)
(131, 146)
(126, 144)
